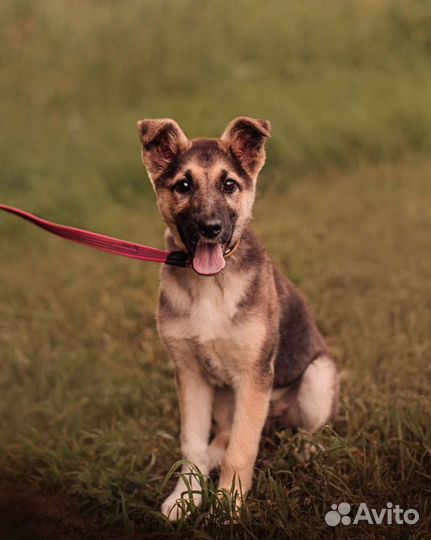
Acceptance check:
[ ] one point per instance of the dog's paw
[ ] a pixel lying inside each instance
(171, 509)
(228, 506)
(177, 505)
(309, 449)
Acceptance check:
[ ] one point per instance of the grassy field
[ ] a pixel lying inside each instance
(88, 413)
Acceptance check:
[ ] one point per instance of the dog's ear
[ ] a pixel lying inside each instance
(245, 138)
(162, 140)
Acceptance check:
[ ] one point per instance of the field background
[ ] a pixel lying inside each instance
(88, 415)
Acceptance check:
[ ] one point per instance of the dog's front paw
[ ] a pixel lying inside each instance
(177, 505)
(170, 508)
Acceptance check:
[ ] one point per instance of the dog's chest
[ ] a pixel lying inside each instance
(209, 313)
(214, 324)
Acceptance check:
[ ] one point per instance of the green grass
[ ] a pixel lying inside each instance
(88, 413)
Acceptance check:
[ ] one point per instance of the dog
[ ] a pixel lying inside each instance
(245, 346)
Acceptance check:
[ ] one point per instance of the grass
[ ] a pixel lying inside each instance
(88, 415)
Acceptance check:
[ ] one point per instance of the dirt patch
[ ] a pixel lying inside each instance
(28, 514)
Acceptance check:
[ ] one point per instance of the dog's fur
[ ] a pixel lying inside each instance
(245, 347)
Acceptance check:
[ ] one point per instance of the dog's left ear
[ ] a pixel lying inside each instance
(162, 140)
(245, 137)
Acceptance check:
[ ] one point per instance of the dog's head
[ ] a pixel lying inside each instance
(205, 187)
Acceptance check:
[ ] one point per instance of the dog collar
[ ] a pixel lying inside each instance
(230, 251)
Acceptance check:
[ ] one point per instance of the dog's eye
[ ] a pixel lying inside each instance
(183, 186)
(229, 185)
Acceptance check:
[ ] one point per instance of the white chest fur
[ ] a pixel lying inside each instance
(208, 310)
(224, 338)
(212, 313)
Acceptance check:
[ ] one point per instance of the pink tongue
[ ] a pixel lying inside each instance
(208, 258)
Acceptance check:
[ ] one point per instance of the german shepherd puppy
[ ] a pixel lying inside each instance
(245, 346)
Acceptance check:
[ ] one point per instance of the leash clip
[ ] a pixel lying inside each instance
(178, 258)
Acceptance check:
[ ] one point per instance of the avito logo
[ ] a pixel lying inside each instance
(390, 515)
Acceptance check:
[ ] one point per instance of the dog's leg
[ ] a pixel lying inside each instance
(315, 403)
(195, 398)
(223, 417)
(251, 410)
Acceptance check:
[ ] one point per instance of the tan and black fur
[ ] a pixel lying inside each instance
(245, 347)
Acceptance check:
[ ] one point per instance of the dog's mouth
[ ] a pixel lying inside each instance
(208, 258)
(207, 255)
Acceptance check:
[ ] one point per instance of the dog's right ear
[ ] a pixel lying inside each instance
(162, 140)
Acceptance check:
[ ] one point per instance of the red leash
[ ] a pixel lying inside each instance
(102, 242)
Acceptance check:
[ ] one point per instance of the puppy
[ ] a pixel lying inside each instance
(245, 346)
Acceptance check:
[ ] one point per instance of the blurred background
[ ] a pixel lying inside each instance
(343, 84)
(88, 410)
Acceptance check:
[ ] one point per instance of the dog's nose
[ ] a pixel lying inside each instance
(210, 229)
